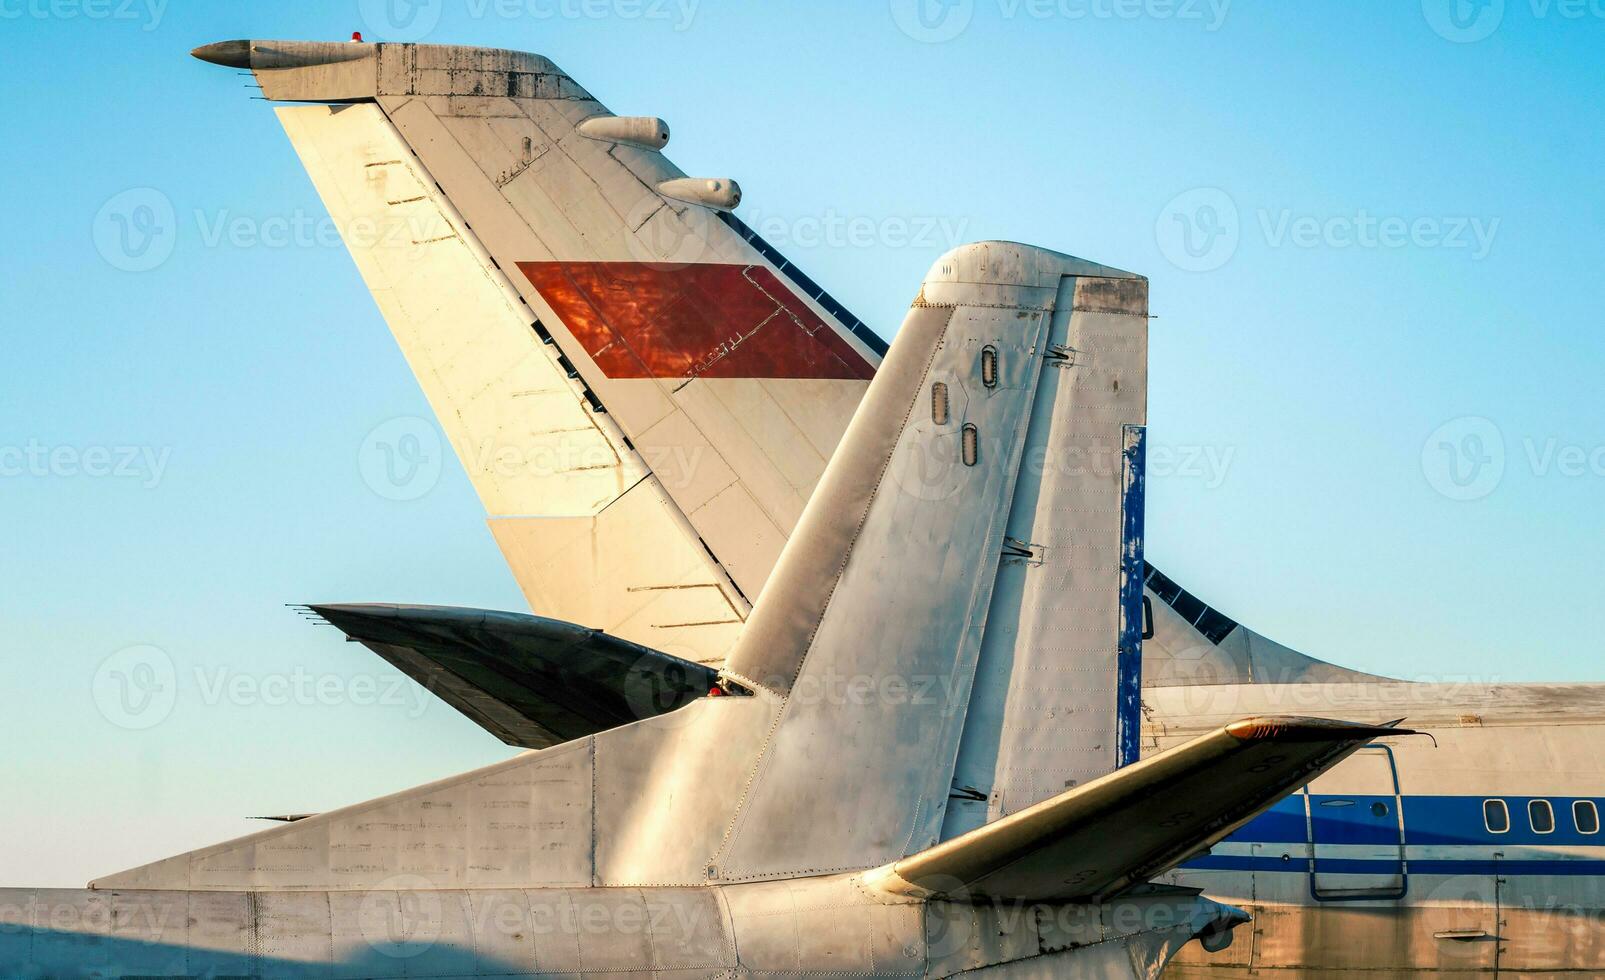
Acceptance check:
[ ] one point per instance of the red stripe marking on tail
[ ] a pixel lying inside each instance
(642, 320)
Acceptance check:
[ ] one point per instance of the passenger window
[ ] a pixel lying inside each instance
(1542, 816)
(1496, 816)
(1586, 815)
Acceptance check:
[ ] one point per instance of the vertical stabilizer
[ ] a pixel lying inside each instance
(1057, 689)
(643, 392)
(972, 516)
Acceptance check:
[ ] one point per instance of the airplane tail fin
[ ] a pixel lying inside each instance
(1124, 828)
(642, 391)
(962, 595)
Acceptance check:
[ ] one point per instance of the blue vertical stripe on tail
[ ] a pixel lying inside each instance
(1128, 677)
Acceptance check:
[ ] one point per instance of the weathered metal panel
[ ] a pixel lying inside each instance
(636, 570)
(555, 924)
(688, 931)
(665, 789)
(294, 932)
(524, 822)
(823, 925)
(504, 927)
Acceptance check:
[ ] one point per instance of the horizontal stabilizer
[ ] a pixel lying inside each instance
(1122, 829)
(529, 681)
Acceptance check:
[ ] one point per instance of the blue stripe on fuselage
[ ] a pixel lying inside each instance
(1427, 820)
(1567, 868)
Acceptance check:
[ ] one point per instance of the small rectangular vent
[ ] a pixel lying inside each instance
(939, 412)
(972, 445)
(989, 366)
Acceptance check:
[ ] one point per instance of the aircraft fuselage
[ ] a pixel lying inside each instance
(1477, 851)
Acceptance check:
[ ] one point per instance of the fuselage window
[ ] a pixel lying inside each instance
(1586, 814)
(1496, 816)
(1542, 816)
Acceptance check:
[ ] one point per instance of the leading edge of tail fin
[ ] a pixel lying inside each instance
(642, 391)
(1119, 831)
(914, 626)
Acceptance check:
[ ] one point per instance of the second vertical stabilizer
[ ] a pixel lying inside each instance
(972, 516)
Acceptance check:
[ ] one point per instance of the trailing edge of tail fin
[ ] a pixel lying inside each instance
(643, 392)
(1118, 831)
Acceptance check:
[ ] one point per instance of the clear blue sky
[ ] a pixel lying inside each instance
(1363, 220)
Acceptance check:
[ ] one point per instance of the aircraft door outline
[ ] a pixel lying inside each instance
(1354, 824)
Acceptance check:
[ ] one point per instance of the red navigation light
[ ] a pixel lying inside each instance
(356, 37)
